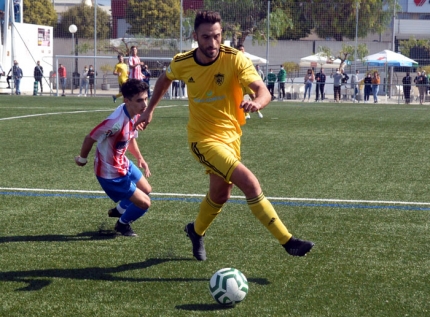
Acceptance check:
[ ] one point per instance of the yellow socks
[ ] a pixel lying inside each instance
(264, 211)
(208, 212)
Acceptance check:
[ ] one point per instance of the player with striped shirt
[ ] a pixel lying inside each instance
(122, 181)
(214, 75)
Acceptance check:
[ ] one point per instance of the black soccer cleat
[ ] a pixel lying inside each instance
(297, 247)
(199, 251)
(124, 229)
(114, 213)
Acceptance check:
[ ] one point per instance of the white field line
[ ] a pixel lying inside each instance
(327, 200)
(68, 112)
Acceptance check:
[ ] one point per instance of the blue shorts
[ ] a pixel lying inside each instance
(122, 187)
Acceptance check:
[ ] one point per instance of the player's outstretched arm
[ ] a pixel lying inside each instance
(161, 86)
(81, 160)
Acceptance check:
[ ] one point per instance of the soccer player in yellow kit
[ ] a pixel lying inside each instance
(214, 75)
(121, 70)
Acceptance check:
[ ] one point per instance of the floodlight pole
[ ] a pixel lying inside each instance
(95, 46)
(357, 5)
(356, 34)
(268, 38)
(393, 46)
(73, 29)
(180, 42)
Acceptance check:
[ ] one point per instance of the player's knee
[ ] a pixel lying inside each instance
(143, 204)
(219, 197)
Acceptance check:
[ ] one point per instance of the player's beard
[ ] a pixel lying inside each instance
(209, 51)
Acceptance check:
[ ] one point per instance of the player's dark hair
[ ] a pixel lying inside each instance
(211, 17)
(120, 55)
(133, 87)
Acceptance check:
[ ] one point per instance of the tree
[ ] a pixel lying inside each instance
(337, 20)
(242, 18)
(346, 54)
(40, 12)
(83, 17)
(153, 18)
(416, 49)
(299, 17)
(291, 68)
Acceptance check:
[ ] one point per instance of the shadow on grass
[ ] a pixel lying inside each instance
(38, 279)
(90, 235)
(203, 307)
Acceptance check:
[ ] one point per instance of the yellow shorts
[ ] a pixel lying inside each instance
(218, 158)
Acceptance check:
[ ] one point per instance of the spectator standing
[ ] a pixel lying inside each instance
(282, 78)
(62, 73)
(2, 72)
(147, 78)
(376, 80)
(354, 85)
(337, 81)
(175, 88)
(120, 70)
(183, 88)
(407, 81)
(92, 74)
(84, 81)
(38, 75)
(344, 81)
(308, 79)
(17, 74)
(428, 85)
(259, 71)
(367, 87)
(271, 80)
(320, 79)
(421, 83)
(135, 64)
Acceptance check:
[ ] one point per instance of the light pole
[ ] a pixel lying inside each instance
(73, 29)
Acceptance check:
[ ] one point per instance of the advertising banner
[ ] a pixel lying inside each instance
(418, 6)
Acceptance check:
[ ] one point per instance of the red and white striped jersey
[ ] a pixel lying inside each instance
(113, 136)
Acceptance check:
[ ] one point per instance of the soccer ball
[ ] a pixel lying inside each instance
(228, 286)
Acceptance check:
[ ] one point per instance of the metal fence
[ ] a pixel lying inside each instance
(280, 31)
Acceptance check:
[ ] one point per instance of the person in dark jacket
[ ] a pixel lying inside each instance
(406, 81)
(38, 75)
(367, 87)
(320, 79)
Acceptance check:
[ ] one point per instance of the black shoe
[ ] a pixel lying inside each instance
(199, 251)
(297, 247)
(125, 230)
(114, 213)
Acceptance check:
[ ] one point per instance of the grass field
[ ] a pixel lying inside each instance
(353, 178)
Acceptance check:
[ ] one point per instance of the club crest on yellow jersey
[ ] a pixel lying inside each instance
(219, 79)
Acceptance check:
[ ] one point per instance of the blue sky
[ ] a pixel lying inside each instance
(104, 2)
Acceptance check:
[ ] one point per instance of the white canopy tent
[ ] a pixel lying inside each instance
(256, 59)
(390, 59)
(319, 60)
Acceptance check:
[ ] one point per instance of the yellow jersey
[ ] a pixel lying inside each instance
(214, 93)
(122, 70)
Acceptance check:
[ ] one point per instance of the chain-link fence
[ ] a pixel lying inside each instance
(281, 32)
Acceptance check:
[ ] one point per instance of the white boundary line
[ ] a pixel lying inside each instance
(328, 200)
(68, 112)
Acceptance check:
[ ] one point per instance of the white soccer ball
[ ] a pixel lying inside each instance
(228, 286)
